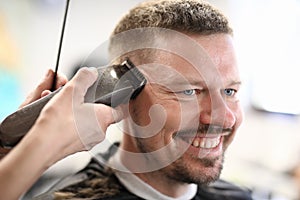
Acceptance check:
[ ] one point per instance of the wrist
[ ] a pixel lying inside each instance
(52, 142)
(42, 147)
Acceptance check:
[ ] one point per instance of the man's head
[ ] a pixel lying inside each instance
(190, 16)
(189, 112)
(186, 16)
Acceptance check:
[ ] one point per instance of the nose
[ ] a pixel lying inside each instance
(214, 110)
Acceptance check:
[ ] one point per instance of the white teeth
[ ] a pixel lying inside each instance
(206, 143)
(196, 142)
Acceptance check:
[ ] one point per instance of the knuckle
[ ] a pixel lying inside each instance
(40, 87)
(84, 71)
(61, 80)
(70, 87)
(50, 110)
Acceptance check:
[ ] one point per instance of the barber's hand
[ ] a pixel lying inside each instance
(3, 152)
(44, 87)
(67, 125)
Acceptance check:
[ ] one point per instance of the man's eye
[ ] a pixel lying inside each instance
(189, 92)
(230, 92)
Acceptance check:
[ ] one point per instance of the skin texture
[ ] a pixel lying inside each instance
(218, 106)
(41, 90)
(41, 143)
(186, 110)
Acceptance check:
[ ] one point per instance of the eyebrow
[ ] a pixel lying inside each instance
(235, 83)
(188, 82)
(200, 83)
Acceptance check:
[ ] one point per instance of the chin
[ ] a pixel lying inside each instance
(195, 170)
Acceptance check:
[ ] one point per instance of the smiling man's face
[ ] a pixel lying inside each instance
(199, 108)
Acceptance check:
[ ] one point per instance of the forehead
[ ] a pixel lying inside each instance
(212, 59)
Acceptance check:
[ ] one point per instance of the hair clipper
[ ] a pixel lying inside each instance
(116, 84)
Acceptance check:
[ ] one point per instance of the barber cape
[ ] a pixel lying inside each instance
(98, 182)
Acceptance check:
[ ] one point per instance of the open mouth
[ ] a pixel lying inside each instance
(205, 142)
(201, 146)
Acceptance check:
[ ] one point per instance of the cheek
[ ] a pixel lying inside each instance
(173, 120)
(139, 108)
(170, 116)
(149, 104)
(181, 116)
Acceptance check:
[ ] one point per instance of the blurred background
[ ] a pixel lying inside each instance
(266, 152)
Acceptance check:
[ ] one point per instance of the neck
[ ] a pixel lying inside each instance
(163, 184)
(157, 179)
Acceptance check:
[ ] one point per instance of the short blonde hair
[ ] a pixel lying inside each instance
(186, 16)
(192, 16)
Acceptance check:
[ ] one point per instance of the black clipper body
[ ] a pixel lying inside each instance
(115, 85)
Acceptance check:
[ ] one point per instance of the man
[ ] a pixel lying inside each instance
(175, 132)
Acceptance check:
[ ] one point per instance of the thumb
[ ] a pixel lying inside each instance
(82, 80)
(107, 115)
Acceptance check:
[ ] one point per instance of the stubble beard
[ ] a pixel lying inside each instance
(187, 168)
(201, 171)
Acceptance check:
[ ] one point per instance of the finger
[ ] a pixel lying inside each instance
(118, 113)
(45, 93)
(61, 80)
(107, 115)
(82, 80)
(93, 121)
(43, 85)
